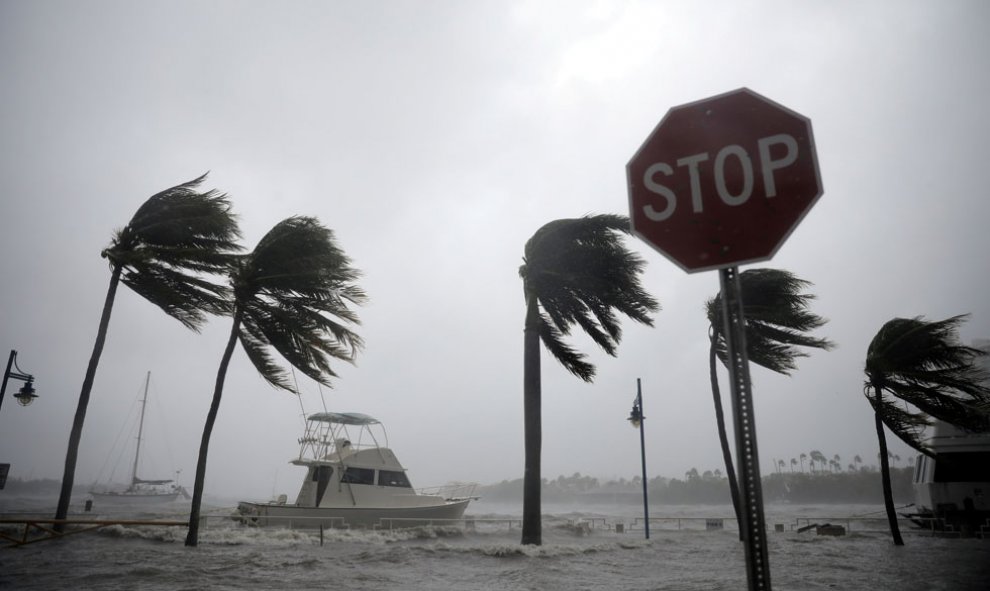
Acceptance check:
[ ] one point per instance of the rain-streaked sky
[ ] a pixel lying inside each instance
(434, 137)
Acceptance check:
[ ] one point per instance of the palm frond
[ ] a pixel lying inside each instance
(255, 345)
(572, 360)
(173, 239)
(909, 426)
(184, 297)
(294, 292)
(778, 318)
(582, 274)
(922, 363)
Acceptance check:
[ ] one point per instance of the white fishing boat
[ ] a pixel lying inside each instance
(952, 487)
(141, 491)
(354, 480)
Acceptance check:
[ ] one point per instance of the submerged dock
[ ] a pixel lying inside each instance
(40, 530)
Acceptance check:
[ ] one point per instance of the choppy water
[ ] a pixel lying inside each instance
(490, 556)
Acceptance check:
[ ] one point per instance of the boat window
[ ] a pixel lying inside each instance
(393, 478)
(358, 476)
(971, 466)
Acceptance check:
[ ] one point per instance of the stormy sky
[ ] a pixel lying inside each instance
(434, 137)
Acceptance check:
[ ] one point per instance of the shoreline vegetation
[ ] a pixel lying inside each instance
(861, 486)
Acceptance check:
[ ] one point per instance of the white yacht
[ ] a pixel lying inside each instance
(952, 489)
(354, 481)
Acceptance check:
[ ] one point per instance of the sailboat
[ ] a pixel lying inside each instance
(142, 491)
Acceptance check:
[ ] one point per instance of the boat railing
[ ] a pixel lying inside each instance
(852, 524)
(942, 527)
(451, 491)
(317, 448)
(467, 523)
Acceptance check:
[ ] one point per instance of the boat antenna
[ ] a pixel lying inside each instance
(302, 409)
(322, 399)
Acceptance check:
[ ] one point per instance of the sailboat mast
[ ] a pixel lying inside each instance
(137, 452)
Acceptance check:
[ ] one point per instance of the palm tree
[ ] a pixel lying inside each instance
(803, 458)
(575, 271)
(857, 460)
(793, 463)
(175, 238)
(292, 293)
(917, 370)
(778, 321)
(817, 456)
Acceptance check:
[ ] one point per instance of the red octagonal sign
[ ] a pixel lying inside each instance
(723, 181)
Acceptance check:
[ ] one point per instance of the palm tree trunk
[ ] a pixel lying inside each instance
(75, 435)
(192, 538)
(532, 420)
(888, 495)
(723, 437)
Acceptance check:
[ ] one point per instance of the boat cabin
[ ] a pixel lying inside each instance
(342, 471)
(954, 484)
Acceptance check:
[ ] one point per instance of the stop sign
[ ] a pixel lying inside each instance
(723, 181)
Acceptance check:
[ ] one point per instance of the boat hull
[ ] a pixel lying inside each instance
(952, 483)
(294, 516)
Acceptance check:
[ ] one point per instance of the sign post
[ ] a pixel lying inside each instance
(718, 183)
(744, 424)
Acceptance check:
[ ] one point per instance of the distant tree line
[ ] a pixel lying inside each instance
(38, 487)
(712, 488)
(17, 486)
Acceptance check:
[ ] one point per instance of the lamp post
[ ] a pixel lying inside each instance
(25, 395)
(637, 419)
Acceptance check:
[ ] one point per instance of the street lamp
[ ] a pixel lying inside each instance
(25, 395)
(637, 419)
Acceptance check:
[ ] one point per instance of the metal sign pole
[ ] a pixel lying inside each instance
(744, 424)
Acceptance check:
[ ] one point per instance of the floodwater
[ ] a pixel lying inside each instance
(582, 549)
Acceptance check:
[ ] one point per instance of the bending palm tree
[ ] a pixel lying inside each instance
(291, 294)
(817, 456)
(174, 238)
(777, 323)
(575, 271)
(921, 363)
